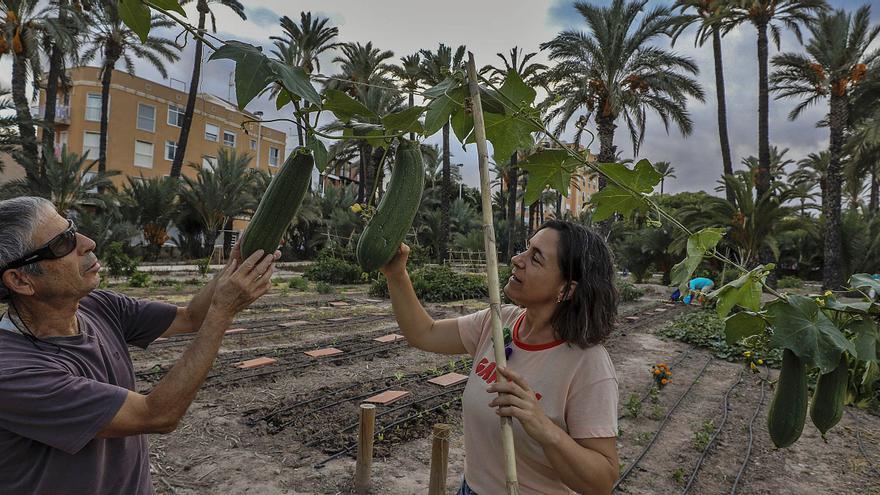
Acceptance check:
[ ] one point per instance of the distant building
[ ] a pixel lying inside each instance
(144, 125)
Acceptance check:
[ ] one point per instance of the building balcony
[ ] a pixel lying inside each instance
(62, 114)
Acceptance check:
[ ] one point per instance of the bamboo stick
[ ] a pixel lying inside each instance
(365, 449)
(439, 460)
(492, 266)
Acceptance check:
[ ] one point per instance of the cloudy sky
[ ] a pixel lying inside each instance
(488, 27)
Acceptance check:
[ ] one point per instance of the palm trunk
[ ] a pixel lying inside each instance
(522, 205)
(722, 114)
(412, 103)
(362, 173)
(513, 228)
(111, 55)
(832, 273)
(558, 205)
(605, 126)
(446, 189)
(56, 61)
(763, 179)
(875, 191)
(26, 131)
(183, 138)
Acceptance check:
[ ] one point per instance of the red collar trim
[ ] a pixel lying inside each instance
(531, 347)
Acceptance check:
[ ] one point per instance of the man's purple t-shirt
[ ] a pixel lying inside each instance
(55, 397)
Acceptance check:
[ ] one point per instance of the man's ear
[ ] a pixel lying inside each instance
(17, 282)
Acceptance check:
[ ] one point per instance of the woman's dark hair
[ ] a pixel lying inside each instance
(587, 317)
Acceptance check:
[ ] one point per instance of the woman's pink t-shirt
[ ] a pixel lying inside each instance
(577, 388)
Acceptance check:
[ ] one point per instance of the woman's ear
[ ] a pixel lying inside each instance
(565, 295)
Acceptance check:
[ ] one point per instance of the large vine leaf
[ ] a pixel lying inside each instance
(507, 135)
(615, 198)
(442, 107)
(744, 291)
(295, 81)
(741, 325)
(253, 70)
(136, 16)
(404, 121)
(345, 107)
(446, 85)
(698, 245)
(866, 339)
(799, 325)
(319, 151)
(864, 281)
(516, 94)
(548, 168)
(643, 177)
(463, 125)
(169, 5)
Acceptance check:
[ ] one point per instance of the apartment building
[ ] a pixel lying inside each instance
(144, 126)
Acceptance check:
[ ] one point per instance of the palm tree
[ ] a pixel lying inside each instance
(409, 75)
(115, 40)
(531, 73)
(204, 9)
(768, 15)
(706, 14)
(151, 204)
(216, 195)
(68, 181)
(667, 171)
(8, 124)
(436, 67)
(300, 46)
(778, 162)
(836, 60)
(615, 71)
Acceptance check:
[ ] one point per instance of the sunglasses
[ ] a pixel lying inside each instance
(58, 247)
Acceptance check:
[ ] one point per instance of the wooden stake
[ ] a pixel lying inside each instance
(492, 266)
(365, 449)
(439, 460)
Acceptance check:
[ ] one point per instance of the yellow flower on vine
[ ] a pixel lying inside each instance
(357, 208)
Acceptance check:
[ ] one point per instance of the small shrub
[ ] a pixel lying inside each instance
(298, 283)
(438, 284)
(642, 438)
(118, 263)
(704, 435)
(140, 279)
(627, 291)
(706, 329)
(324, 288)
(204, 265)
(790, 283)
(334, 271)
(678, 476)
(633, 406)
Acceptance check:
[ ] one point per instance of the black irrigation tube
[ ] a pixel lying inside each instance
(742, 468)
(859, 439)
(714, 435)
(638, 459)
(406, 419)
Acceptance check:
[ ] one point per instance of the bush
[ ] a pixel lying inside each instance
(790, 283)
(298, 283)
(704, 328)
(118, 263)
(204, 265)
(140, 279)
(438, 284)
(627, 291)
(334, 271)
(324, 288)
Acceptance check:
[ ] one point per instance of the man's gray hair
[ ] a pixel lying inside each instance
(19, 219)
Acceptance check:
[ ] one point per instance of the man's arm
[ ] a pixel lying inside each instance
(191, 317)
(160, 411)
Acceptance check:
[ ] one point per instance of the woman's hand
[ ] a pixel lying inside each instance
(397, 263)
(519, 401)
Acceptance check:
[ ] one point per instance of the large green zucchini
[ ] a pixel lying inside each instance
(397, 209)
(829, 396)
(788, 410)
(279, 204)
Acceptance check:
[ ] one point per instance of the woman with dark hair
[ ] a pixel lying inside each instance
(560, 383)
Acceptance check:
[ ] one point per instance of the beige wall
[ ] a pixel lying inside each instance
(11, 169)
(126, 93)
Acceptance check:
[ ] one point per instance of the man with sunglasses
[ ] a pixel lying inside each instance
(70, 420)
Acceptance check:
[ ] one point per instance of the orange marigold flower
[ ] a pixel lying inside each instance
(656, 372)
(664, 381)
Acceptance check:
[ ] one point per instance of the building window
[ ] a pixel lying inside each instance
(273, 156)
(91, 144)
(229, 138)
(175, 115)
(253, 144)
(146, 118)
(209, 162)
(212, 132)
(143, 154)
(93, 107)
(170, 150)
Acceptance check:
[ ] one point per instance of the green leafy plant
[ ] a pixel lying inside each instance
(627, 291)
(139, 279)
(324, 288)
(334, 270)
(703, 435)
(298, 283)
(790, 283)
(678, 476)
(438, 284)
(204, 266)
(118, 263)
(633, 406)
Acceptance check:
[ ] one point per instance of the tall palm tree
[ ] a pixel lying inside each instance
(8, 124)
(151, 203)
(667, 171)
(836, 60)
(436, 67)
(778, 162)
(706, 14)
(301, 46)
(532, 73)
(203, 7)
(114, 41)
(768, 15)
(409, 76)
(811, 171)
(614, 71)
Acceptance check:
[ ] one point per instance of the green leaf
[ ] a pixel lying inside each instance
(282, 99)
(463, 125)
(136, 16)
(548, 168)
(864, 281)
(442, 107)
(860, 307)
(741, 325)
(319, 151)
(613, 199)
(642, 178)
(404, 121)
(296, 81)
(697, 245)
(516, 93)
(170, 5)
(507, 135)
(799, 325)
(345, 107)
(253, 70)
(744, 291)
(445, 86)
(867, 338)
